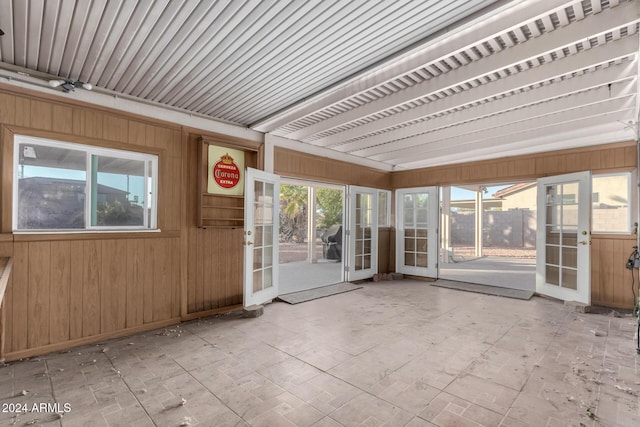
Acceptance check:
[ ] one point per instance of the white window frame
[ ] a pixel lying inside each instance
(151, 192)
(630, 198)
(387, 208)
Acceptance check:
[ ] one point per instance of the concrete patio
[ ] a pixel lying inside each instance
(393, 353)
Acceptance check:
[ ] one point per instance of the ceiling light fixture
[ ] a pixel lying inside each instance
(69, 85)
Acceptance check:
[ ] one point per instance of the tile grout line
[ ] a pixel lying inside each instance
(126, 383)
(536, 365)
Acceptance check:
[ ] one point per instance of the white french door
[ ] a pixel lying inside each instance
(563, 268)
(261, 213)
(362, 233)
(416, 231)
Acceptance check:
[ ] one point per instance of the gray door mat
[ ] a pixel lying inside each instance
(324, 291)
(484, 289)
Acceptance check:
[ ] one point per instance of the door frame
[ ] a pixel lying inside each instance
(265, 294)
(433, 241)
(351, 273)
(583, 239)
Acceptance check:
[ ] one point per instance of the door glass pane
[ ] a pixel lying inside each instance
(552, 275)
(257, 258)
(409, 259)
(561, 235)
(421, 260)
(267, 275)
(570, 278)
(257, 280)
(366, 262)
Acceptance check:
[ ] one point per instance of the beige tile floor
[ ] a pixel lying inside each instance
(390, 354)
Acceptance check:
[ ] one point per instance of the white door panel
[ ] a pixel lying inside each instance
(563, 268)
(416, 231)
(262, 195)
(362, 233)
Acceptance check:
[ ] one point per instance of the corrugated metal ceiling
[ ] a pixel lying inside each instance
(237, 60)
(398, 83)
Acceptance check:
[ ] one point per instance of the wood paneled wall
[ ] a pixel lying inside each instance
(602, 158)
(610, 280)
(295, 164)
(68, 289)
(214, 256)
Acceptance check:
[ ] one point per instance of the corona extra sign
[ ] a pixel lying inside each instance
(225, 171)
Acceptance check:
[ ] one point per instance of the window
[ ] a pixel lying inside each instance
(63, 186)
(384, 208)
(611, 203)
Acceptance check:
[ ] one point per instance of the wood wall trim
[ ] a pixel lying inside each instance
(84, 140)
(70, 101)
(21, 354)
(601, 159)
(226, 141)
(207, 313)
(47, 237)
(296, 164)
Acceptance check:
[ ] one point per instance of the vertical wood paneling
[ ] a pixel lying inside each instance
(91, 315)
(162, 275)
(115, 128)
(6, 250)
(137, 133)
(7, 181)
(148, 287)
(200, 278)
(135, 282)
(39, 293)
(41, 115)
(93, 124)
(113, 285)
(192, 266)
(174, 288)
(23, 112)
(62, 119)
(7, 108)
(69, 289)
(76, 288)
(78, 121)
(60, 291)
(610, 281)
(20, 273)
(209, 271)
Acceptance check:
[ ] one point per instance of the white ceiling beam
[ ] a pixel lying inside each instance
(594, 96)
(588, 132)
(562, 37)
(278, 141)
(446, 44)
(488, 137)
(592, 57)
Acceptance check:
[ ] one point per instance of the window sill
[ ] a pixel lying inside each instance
(22, 236)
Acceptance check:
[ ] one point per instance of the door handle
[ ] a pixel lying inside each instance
(585, 242)
(247, 243)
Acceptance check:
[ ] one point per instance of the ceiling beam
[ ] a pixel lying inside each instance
(491, 137)
(516, 117)
(590, 58)
(562, 37)
(447, 43)
(615, 73)
(587, 132)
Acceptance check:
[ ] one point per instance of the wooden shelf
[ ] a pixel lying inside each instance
(217, 210)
